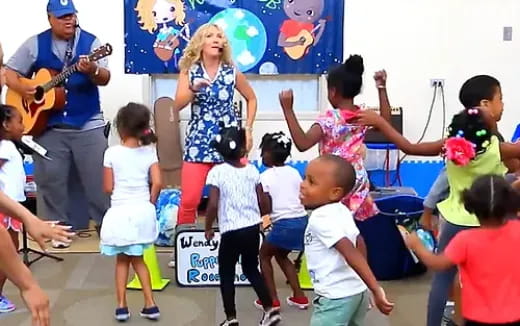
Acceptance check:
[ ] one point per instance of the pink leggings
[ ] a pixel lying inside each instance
(193, 179)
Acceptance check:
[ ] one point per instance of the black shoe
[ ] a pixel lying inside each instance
(448, 322)
(271, 318)
(151, 313)
(122, 314)
(232, 322)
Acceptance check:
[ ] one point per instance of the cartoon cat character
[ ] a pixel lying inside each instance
(299, 33)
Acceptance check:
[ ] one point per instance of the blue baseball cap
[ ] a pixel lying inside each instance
(60, 8)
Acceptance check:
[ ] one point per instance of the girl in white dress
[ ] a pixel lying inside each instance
(132, 177)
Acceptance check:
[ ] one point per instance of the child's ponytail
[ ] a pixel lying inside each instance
(468, 136)
(147, 137)
(347, 78)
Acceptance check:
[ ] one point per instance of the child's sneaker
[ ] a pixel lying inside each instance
(271, 317)
(300, 303)
(122, 314)
(232, 322)
(60, 245)
(258, 304)
(151, 313)
(6, 305)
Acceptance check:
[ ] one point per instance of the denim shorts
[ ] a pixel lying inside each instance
(288, 233)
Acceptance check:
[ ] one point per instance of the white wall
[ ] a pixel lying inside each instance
(413, 40)
(419, 40)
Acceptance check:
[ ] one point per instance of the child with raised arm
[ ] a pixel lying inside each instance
(487, 257)
(472, 150)
(335, 131)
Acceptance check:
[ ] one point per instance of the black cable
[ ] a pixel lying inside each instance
(430, 113)
(443, 112)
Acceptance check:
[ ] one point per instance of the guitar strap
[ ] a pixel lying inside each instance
(67, 59)
(68, 54)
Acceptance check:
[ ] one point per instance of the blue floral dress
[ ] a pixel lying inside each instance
(211, 105)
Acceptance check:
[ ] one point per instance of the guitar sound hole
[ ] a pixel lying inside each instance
(38, 96)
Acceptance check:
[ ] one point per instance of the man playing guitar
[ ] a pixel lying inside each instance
(74, 136)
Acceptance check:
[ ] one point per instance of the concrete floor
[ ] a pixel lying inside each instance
(81, 290)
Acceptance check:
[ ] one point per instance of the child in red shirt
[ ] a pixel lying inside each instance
(487, 257)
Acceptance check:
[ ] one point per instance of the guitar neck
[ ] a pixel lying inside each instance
(58, 79)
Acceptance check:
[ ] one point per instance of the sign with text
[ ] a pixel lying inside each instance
(197, 259)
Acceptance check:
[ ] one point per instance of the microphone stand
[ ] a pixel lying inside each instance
(30, 204)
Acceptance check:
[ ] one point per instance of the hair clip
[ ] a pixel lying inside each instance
(282, 139)
(481, 133)
(460, 133)
(473, 111)
(232, 144)
(218, 138)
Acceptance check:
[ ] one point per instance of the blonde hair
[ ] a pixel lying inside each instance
(193, 51)
(144, 10)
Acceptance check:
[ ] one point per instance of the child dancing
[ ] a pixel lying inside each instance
(237, 199)
(487, 257)
(281, 183)
(132, 177)
(334, 247)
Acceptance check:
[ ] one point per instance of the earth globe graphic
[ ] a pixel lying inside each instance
(246, 33)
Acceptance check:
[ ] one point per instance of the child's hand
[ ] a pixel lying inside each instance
(380, 78)
(381, 302)
(412, 241)
(369, 118)
(286, 99)
(516, 184)
(427, 221)
(210, 234)
(38, 304)
(42, 231)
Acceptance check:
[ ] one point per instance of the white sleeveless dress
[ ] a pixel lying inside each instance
(130, 224)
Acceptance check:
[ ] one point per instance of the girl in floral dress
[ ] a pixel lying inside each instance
(335, 131)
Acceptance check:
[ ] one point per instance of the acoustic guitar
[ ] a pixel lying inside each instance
(50, 94)
(296, 52)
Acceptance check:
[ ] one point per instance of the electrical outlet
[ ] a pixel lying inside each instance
(437, 82)
(508, 33)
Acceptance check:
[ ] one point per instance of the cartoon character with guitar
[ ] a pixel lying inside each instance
(155, 13)
(298, 33)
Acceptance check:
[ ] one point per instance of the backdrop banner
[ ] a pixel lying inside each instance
(266, 36)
